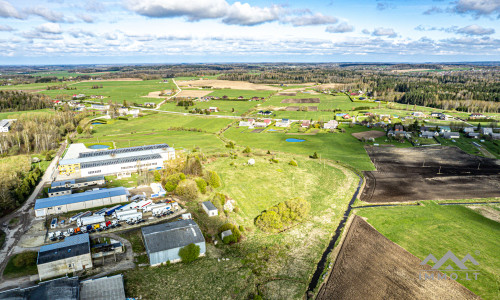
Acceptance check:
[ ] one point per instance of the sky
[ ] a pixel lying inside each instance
(42, 32)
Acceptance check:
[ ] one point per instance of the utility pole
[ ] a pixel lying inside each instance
(439, 170)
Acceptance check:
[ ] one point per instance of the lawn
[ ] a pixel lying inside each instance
(337, 146)
(131, 91)
(225, 107)
(436, 229)
(135, 238)
(28, 267)
(15, 114)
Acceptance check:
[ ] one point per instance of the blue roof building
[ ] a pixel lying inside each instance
(79, 201)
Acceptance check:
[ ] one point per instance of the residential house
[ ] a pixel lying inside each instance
(476, 116)
(213, 109)
(474, 135)
(267, 121)
(306, 124)
(451, 135)
(418, 114)
(332, 124)
(486, 130)
(346, 117)
(259, 124)
(99, 106)
(134, 112)
(495, 136)
(244, 124)
(283, 123)
(428, 134)
(468, 129)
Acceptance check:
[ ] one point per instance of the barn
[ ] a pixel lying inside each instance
(163, 241)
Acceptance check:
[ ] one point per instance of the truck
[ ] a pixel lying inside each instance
(154, 206)
(118, 213)
(78, 230)
(101, 212)
(126, 207)
(142, 204)
(134, 216)
(53, 223)
(111, 210)
(75, 217)
(90, 220)
(160, 210)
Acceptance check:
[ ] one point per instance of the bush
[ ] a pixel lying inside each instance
(283, 215)
(247, 150)
(189, 253)
(79, 129)
(293, 163)
(314, 156)
(202, 185)
(235, 237)
(274, 160)
(236, 209)
(193, 166)
(157, 175)
(230, 145)
(219, 200)
(173, 181)
(213, 179)
(25, 259)
(187, 189)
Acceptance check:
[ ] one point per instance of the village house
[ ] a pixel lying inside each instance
(473, 135)
(476, 116)
(210, 209)
(332, 124)
(267, 121)
(418, 114)
(486, 130)
(99, 106)
(283, 123)
(468, 129)
(451, 135)
(428, 134)
(213, 109)
(495, 136)
(306, 124)
(259, 124)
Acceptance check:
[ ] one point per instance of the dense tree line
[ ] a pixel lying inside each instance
(19, 101)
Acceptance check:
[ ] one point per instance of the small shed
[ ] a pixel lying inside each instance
(226, 233)
(210, 209)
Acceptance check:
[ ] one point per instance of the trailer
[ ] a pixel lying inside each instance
(126, 207)
(142, 204)
(90, 220)
(117, 214)
(160, 209)
(135, 216)
(111, 210)
(75, 217)
(154, 206)
(101, 212)
(86, 214)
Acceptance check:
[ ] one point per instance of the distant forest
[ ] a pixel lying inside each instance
(464, 87)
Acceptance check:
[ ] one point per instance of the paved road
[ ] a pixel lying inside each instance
(25, 215)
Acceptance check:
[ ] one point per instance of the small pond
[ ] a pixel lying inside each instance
(98, 146)
(97, 123)
(295, 140)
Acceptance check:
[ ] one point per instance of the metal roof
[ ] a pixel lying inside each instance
(59, 189)
(209, 205)
(77, 180)
(61, 289)
(104, 288)
(80, 197)
(71, 246)
(135, 154)
(122, 150)
(116, 161)
(4, 123)
(172, 235)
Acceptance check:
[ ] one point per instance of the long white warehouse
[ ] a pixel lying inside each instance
(80, 201)
(117, 161)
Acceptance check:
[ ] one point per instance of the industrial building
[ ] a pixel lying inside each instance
(66, 288)
(163, 241)
(103, 288)
(123, 161)
(71, 255)
(79, 182)
(59, 191)
(80, 201)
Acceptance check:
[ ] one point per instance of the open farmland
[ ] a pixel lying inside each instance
(131, 91)
(342, 147)
(437, 229)
(370, 266)
(408, 174)
(225, 107)
(176, 130)
(227, 84)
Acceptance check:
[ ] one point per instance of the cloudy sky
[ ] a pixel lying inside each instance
(176, 31)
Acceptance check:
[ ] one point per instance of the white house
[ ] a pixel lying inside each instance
(417, 114)
(99, 106)
(451, 135)
(210, 209)
(259, 124)
(5, 125)
(213, 109)
(283, 123)
(245, 124)
(486, 130)
(468, 129)
(332, 124)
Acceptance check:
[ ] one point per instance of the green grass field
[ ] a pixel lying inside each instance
(66, 74)
(29, 268)
(15, 114)
(279, 264)
(236, 93)
(131, 91)
(437, 229)
(337, 146)
(225, 106)
(154, 128)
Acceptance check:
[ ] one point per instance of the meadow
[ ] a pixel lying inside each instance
(276, 265)
(225, 107)
(230, 93)
(337, 146)
(131, 91)
(431, 228)
(15, 114)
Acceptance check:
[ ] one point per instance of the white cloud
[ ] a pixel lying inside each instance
(52, 28)
(46, 13)
(475, 30)
(9, 11)
(340, 28)
(193, 9)
(380, 31)
(244, 14)
(6, 28)
(477, 8)
(86, 18)
(307, 20)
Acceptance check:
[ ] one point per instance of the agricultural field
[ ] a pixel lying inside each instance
(176, 130)
(337, 146)
(15, 114)
(243, 93)
(225, 107)
(409, 174)
(370, 266)
(437, 229)
(131, 91)
(225, 84)
(66, 74)
(277, 265)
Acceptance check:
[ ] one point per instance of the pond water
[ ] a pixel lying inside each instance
(97, 123)
(98, 146)
(295, 140)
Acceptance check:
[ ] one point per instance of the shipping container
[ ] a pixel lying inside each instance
(130, 217)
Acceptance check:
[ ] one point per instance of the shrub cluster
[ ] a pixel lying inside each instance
(213, 179)
(173, 181)
(187, 189)
(293, 163)
(202, 184)
(235, 237)
(283, 215)
(189, 253)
